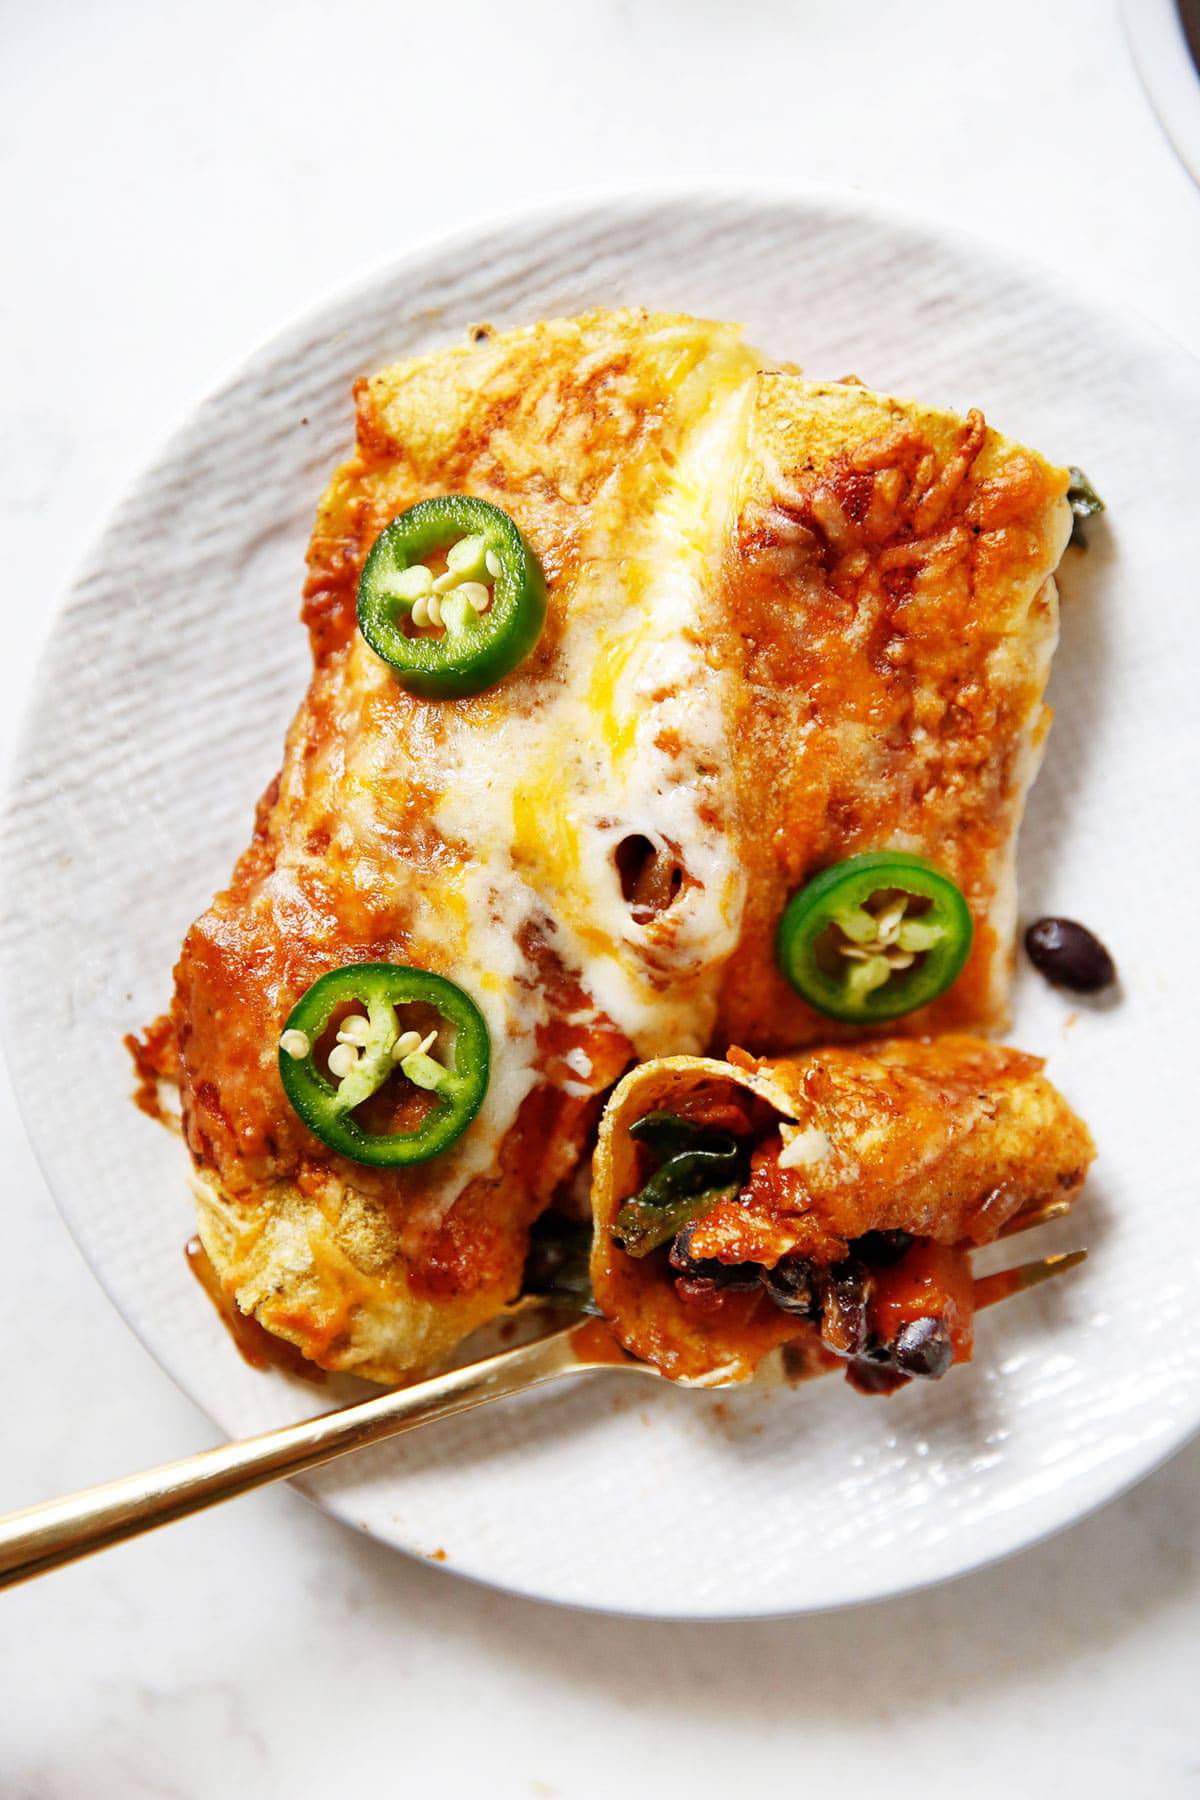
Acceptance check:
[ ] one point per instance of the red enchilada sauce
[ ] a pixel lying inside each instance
(255, 1345)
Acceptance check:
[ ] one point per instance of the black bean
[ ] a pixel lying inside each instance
(844, 1309)
(710, 1268)
(923, 1347)
(693, 1288)
(869, 1377)
(882, 1248)
(792, 1285)
(1069, 955)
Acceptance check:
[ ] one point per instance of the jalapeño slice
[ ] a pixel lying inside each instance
(371, 1047)
(874, 937)
(466, 629)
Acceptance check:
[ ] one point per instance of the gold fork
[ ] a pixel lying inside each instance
(43, 1537)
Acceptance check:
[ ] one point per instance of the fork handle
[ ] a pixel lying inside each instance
(40, 1538)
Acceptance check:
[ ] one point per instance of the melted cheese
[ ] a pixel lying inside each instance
(629, 739)
(803, 1146)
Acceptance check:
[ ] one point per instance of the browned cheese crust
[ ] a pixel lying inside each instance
(892, 615)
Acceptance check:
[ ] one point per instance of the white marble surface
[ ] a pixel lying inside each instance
(174, 183)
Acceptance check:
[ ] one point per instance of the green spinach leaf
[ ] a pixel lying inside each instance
(1084, 502)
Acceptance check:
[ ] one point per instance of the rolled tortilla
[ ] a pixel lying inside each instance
(947, 1139)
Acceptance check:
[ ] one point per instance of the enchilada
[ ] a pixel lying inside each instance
(785, 623)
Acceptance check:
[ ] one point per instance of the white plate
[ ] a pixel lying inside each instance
(159, 714)
(1156, 37)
